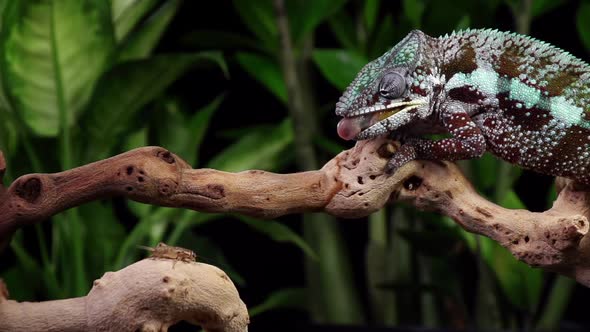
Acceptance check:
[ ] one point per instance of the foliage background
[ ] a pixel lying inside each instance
(226, 86)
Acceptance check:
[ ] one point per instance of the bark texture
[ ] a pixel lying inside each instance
(150, 295)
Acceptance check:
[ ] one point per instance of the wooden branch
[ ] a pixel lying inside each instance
(150, 295)
(350, 185)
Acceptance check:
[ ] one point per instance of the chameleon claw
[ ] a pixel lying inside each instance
(404, 155)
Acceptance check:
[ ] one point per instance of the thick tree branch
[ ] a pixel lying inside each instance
(350, 185)
(150, 295)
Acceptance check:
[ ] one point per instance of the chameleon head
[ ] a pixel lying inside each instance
(379, 98)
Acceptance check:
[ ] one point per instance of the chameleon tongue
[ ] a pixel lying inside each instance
(348, 128)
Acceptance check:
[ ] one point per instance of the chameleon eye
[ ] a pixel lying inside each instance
(392, 85)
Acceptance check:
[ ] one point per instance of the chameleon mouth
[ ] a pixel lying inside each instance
(372, 121)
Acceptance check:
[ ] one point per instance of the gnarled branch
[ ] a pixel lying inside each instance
(351, 185)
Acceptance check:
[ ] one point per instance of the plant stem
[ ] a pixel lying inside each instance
(303, 121)
(330, 283)
(522, 16)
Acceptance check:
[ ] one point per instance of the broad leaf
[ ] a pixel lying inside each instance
(52, 54)
(266, 71)
(127, 13)
(256, 150)
(124, 90)
(339, 67)
(141, 42)
(279, 233)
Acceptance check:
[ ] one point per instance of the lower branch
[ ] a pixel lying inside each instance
(351, 185)
(150, 295)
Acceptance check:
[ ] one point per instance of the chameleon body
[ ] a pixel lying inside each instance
(522, 99)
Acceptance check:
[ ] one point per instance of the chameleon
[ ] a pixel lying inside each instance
(519, 98)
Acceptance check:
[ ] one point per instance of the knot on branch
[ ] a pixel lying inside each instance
(166, 156)
(28, 188)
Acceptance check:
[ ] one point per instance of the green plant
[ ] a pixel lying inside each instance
(77, 78)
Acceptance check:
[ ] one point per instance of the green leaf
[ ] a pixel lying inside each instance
(127, 13)
(260, 18)
(371, 12)
(198, 125)
(266, 71)
(414, 9)
(288, 298)
(279, 233)
(188, 131)
(306, 15)
(52, 54)
(141, 42)
(129, 86)
(338, 66)
(257, 150)
(583, 23)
